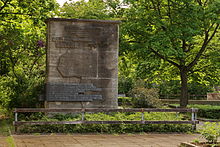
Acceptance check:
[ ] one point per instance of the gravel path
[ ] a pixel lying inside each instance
(100, 140)
(3, 142)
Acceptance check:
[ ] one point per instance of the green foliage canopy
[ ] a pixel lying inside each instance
(22, 51)
(178, 32)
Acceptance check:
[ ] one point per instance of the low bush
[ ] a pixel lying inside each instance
(143, 97)
(108, 128)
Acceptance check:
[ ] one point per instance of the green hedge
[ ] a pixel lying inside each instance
(108, 128)
(207, 111)
(124, 101)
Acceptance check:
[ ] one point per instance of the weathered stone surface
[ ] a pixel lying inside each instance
(105, 83)
(82, 63)
(107, 66)
(78, 64)
(213, 96)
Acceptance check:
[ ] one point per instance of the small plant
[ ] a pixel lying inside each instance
(211, 132)
(10, 141)
(196, 141)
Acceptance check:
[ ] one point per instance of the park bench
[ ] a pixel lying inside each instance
(18, 123)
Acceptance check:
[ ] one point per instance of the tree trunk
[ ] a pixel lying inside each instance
(184, 87)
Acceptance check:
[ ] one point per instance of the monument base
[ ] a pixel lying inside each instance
(111, 104)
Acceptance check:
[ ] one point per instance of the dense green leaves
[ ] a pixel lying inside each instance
(178, 32)
(171, 28)
(86, 10)
(22, 50)
(92, 9)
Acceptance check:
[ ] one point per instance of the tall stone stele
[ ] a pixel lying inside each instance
(82, 63)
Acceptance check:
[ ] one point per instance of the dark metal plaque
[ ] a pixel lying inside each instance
(72, 92)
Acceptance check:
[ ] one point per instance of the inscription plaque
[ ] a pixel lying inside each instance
(72, 92)
(81, 63)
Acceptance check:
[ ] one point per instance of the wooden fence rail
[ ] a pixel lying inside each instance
(177, 96)
(17, 123)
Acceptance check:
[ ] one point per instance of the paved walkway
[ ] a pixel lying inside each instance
(93, 140)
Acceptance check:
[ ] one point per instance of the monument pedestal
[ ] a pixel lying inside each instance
(82, 63)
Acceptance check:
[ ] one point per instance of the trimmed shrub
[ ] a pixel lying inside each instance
(207, 111)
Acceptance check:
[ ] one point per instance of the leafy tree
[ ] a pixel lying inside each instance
(92, 9)
(22, 51)
(178, 32)
(95, 9)
(139, 64)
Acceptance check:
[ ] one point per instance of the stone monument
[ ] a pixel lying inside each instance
(82, 63)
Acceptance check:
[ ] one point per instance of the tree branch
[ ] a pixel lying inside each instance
(4, 5)
(34, 63)
(15, 14)
(205, 3)
(199, 2)
(214, 32)
(133, 41)
(159, 55)
(169, 11)
(210, 27)
(184, 45)
(164, 58)
(156, 8)
(13, 62)
(204, 45)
